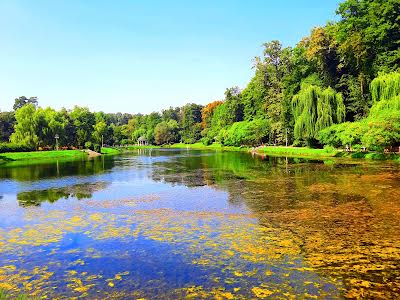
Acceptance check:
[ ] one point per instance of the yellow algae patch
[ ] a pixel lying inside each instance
(96, 217)
(261, 292)
(211, 241)
(268, 273)
(6, 286)
(198, 292)
(237, 273)
(78, 262)
(7, 268)
(77, 285)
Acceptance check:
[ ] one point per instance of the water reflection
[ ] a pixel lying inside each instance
(79, 191)
(174, 224)
(20, 171)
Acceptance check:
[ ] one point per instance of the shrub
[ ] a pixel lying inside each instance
(96, 147)
(89, 145)
(246, 133)
(329, 149)
(11, 147)
(206, 141)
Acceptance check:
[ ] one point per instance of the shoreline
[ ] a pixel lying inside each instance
(39, 155)
(276, 151)
(300, 152)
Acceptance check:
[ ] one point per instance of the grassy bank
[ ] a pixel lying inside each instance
(110, 151)
(201, 146)
(370, 155)
(293, 151)
(326, 153)
(40, 155)
(297, 151)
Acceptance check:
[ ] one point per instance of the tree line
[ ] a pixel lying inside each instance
(338, 86)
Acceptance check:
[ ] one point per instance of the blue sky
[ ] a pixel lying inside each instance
(141, 56)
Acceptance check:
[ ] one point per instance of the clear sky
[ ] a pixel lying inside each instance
(140, 56)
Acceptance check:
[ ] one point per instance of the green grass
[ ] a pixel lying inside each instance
(110, 151)
(201, 146)
(370, 155)
(40, 155)
(281, 151)
(297, 151)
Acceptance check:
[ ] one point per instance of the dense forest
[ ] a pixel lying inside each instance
(339, 86)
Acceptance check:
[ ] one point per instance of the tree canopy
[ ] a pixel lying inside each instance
(337, 86)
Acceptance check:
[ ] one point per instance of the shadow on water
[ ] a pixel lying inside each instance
(78, 191)
(53, 169)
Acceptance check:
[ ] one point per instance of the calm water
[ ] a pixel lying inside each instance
(171, 224)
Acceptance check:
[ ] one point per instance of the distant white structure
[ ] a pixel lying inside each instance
(142, 141)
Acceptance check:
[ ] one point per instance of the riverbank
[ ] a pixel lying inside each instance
(201, 146)
(293, 151)
(301, 152)
(325, 153)
(40, 155)
(298, 152)
(110, 151)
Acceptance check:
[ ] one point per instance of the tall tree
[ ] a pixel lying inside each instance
(191, 122)
(83, 120)
(315, 109)
(26, 127)
(7, 121)
(22, 101)
(166, 132)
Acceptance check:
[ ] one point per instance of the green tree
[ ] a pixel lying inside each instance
(83, 121)
(166, 132)
(26, 126)
(7, 121)
(369, 35)
(99, 131)
(191, 123)
(22, 101)
(315, 109)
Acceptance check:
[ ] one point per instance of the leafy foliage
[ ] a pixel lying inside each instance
(315, 109)
(344, 70)
(381, 128)
(246, 133)
(166, 132)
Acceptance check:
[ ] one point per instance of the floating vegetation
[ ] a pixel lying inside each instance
(228, 251)
(286, 232)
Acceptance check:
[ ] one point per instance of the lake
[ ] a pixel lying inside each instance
(171, 224)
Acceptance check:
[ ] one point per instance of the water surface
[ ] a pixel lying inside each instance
(201, 225)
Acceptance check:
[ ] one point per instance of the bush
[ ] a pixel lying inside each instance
(358, 155)
(206, 141)
(89, 145)
(96, 147)
(329, 149)
(246, 133)
(11, 147)
(383, 130)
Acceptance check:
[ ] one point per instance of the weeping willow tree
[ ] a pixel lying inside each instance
(314, 109)
(381, 129)
(385, 87)
(383, 121)
(385, 91)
